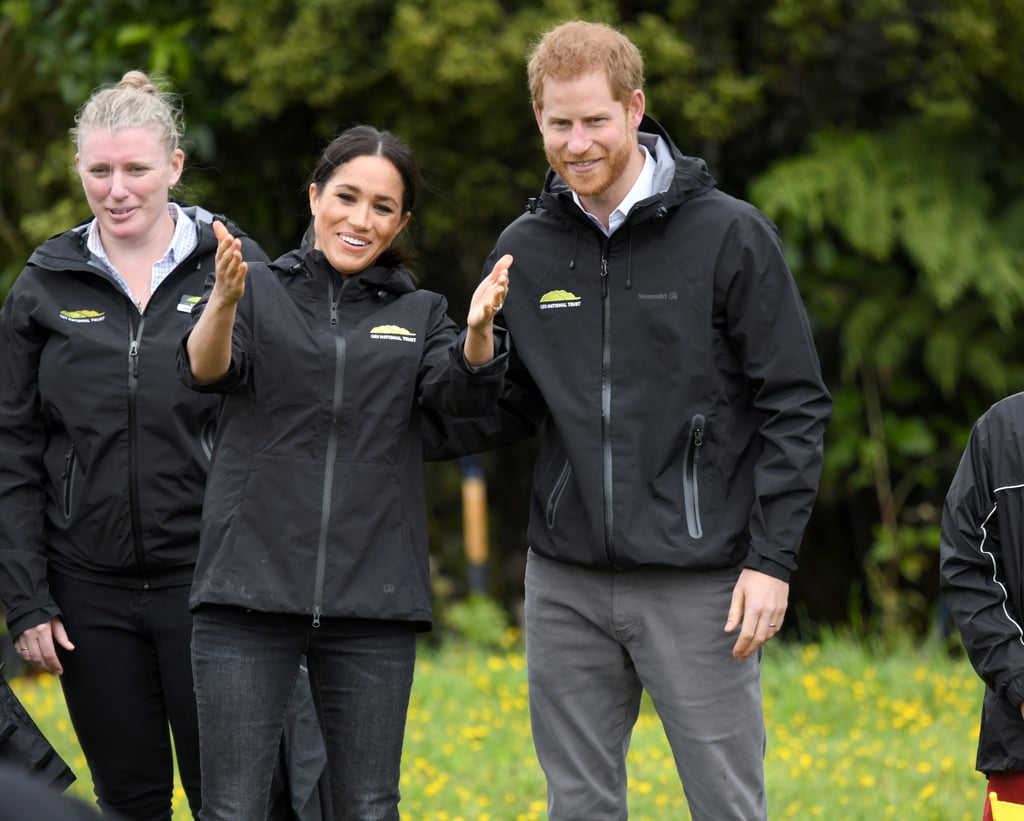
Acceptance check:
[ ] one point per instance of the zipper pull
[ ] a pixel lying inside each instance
(316, 616)
(698, 436)
(133, 356)
(604, 276)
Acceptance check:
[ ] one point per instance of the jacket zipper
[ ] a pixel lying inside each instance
(70, 463)
(332, 451)
(606, 406)
(207, 436)
(691, 495)
(556, 493)
(134, 507)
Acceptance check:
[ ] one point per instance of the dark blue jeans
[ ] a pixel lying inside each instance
(128, 686)
(245, 665)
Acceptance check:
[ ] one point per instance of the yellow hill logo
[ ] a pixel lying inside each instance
(83, 315)
(559, 299)
(393, 332)
(186, 303)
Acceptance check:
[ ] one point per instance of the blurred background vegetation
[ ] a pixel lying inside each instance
(882, 136)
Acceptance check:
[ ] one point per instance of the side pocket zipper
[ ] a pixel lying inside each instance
(691, 493)
(70, 463)
(556, 493)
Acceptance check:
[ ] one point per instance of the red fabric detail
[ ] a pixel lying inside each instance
(1007, 787)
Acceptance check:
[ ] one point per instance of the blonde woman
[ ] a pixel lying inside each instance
(104, 453)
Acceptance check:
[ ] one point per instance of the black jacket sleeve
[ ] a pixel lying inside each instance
(768, 325)
(449, 384)
(517, 414)
(23, 587)
(237, 373)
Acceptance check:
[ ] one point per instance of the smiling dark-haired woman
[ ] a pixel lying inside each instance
(314, 536)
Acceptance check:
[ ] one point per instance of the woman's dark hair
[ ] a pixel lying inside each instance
(363, 141)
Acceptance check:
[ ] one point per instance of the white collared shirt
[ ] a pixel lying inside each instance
(183, 243)
(641, 190)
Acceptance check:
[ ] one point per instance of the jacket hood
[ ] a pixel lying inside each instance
(677, 177)
(312, 263)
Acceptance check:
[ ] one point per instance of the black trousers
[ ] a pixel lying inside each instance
(128, 686)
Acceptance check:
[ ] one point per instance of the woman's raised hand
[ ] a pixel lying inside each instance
(230, 267)
(489, 295)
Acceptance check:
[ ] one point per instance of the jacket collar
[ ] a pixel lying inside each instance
(313, 264)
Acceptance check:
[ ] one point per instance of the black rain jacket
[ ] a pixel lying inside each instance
(674, 370)
(981, 560)
(103, 452)
(315, 502)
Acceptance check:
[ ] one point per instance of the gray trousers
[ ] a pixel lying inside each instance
(594, 641)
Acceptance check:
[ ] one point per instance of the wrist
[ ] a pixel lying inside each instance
(222, 301)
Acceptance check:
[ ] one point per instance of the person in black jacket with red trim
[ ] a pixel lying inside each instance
(981, 565)
(314, 528)
(103, 453)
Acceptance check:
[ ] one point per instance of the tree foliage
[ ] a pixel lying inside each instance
(910, 251)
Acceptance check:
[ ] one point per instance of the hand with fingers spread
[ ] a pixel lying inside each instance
(230, 267)
(758, 607)
(488, 299)
(209, 343)
(490, 294)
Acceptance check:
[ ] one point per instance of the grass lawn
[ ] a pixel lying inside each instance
(852, 736)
